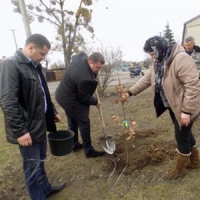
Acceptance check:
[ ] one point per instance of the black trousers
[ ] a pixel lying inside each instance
(80, 120)
(184, 137)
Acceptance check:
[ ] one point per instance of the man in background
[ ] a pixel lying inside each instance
(193, 50)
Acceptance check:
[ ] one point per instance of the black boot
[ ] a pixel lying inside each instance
(56, 189)
(93, 153)
(77, 147)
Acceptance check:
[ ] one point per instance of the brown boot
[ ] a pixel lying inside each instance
(194, 162)
(179, 170)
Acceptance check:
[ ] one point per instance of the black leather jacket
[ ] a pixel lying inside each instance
(22, 101)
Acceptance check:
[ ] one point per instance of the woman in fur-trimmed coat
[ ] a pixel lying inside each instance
(176, 88)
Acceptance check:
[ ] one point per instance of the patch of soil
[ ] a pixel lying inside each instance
(153, 142)
(137, 157)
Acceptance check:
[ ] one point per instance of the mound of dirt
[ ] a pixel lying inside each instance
(137, 157)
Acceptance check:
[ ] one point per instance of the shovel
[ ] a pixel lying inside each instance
(106, 141)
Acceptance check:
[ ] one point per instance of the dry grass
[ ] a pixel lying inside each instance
(99, 178)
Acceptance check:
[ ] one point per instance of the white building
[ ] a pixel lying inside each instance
(192, 28)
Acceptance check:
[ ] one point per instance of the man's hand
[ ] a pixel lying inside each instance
(185, 119)
(25, 140)
(57, 118)
(98, 104)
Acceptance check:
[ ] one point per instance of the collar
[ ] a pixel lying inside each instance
(35, 65)
(22, 58)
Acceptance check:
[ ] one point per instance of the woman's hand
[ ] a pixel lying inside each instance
(185, 119)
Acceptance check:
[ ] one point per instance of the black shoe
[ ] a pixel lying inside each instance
(56, 189)
(78, 147)
(94, 153)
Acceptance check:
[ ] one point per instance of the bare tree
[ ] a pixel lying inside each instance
(112, 57)
(69, 24)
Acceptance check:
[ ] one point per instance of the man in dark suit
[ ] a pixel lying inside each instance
(74, 94)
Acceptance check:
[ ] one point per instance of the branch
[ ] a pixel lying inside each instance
(44, 18)
(50, 11)
(76, 23)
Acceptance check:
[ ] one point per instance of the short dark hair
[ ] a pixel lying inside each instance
(38, 40)
(96, 57)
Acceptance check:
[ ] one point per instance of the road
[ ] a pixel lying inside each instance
(124, 77)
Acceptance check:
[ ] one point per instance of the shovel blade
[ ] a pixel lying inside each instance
(108, 144)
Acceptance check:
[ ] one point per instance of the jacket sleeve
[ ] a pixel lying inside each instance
(9, 98)
(143, 83)
(85, 92)
(189, 77)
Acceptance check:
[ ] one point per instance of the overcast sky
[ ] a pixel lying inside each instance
(119, 23)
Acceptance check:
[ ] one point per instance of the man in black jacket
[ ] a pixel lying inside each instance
(74, 94)
(29, 112)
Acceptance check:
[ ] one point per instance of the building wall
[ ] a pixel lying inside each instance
(192, 28)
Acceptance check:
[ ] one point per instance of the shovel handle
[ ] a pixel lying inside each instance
(100, 111)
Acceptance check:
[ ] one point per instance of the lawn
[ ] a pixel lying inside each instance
(133, 173)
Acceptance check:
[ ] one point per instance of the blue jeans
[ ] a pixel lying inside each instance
(34, 171)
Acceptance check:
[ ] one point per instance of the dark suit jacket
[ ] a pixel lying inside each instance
(77, 86)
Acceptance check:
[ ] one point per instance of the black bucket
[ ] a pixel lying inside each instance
(61, 142)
